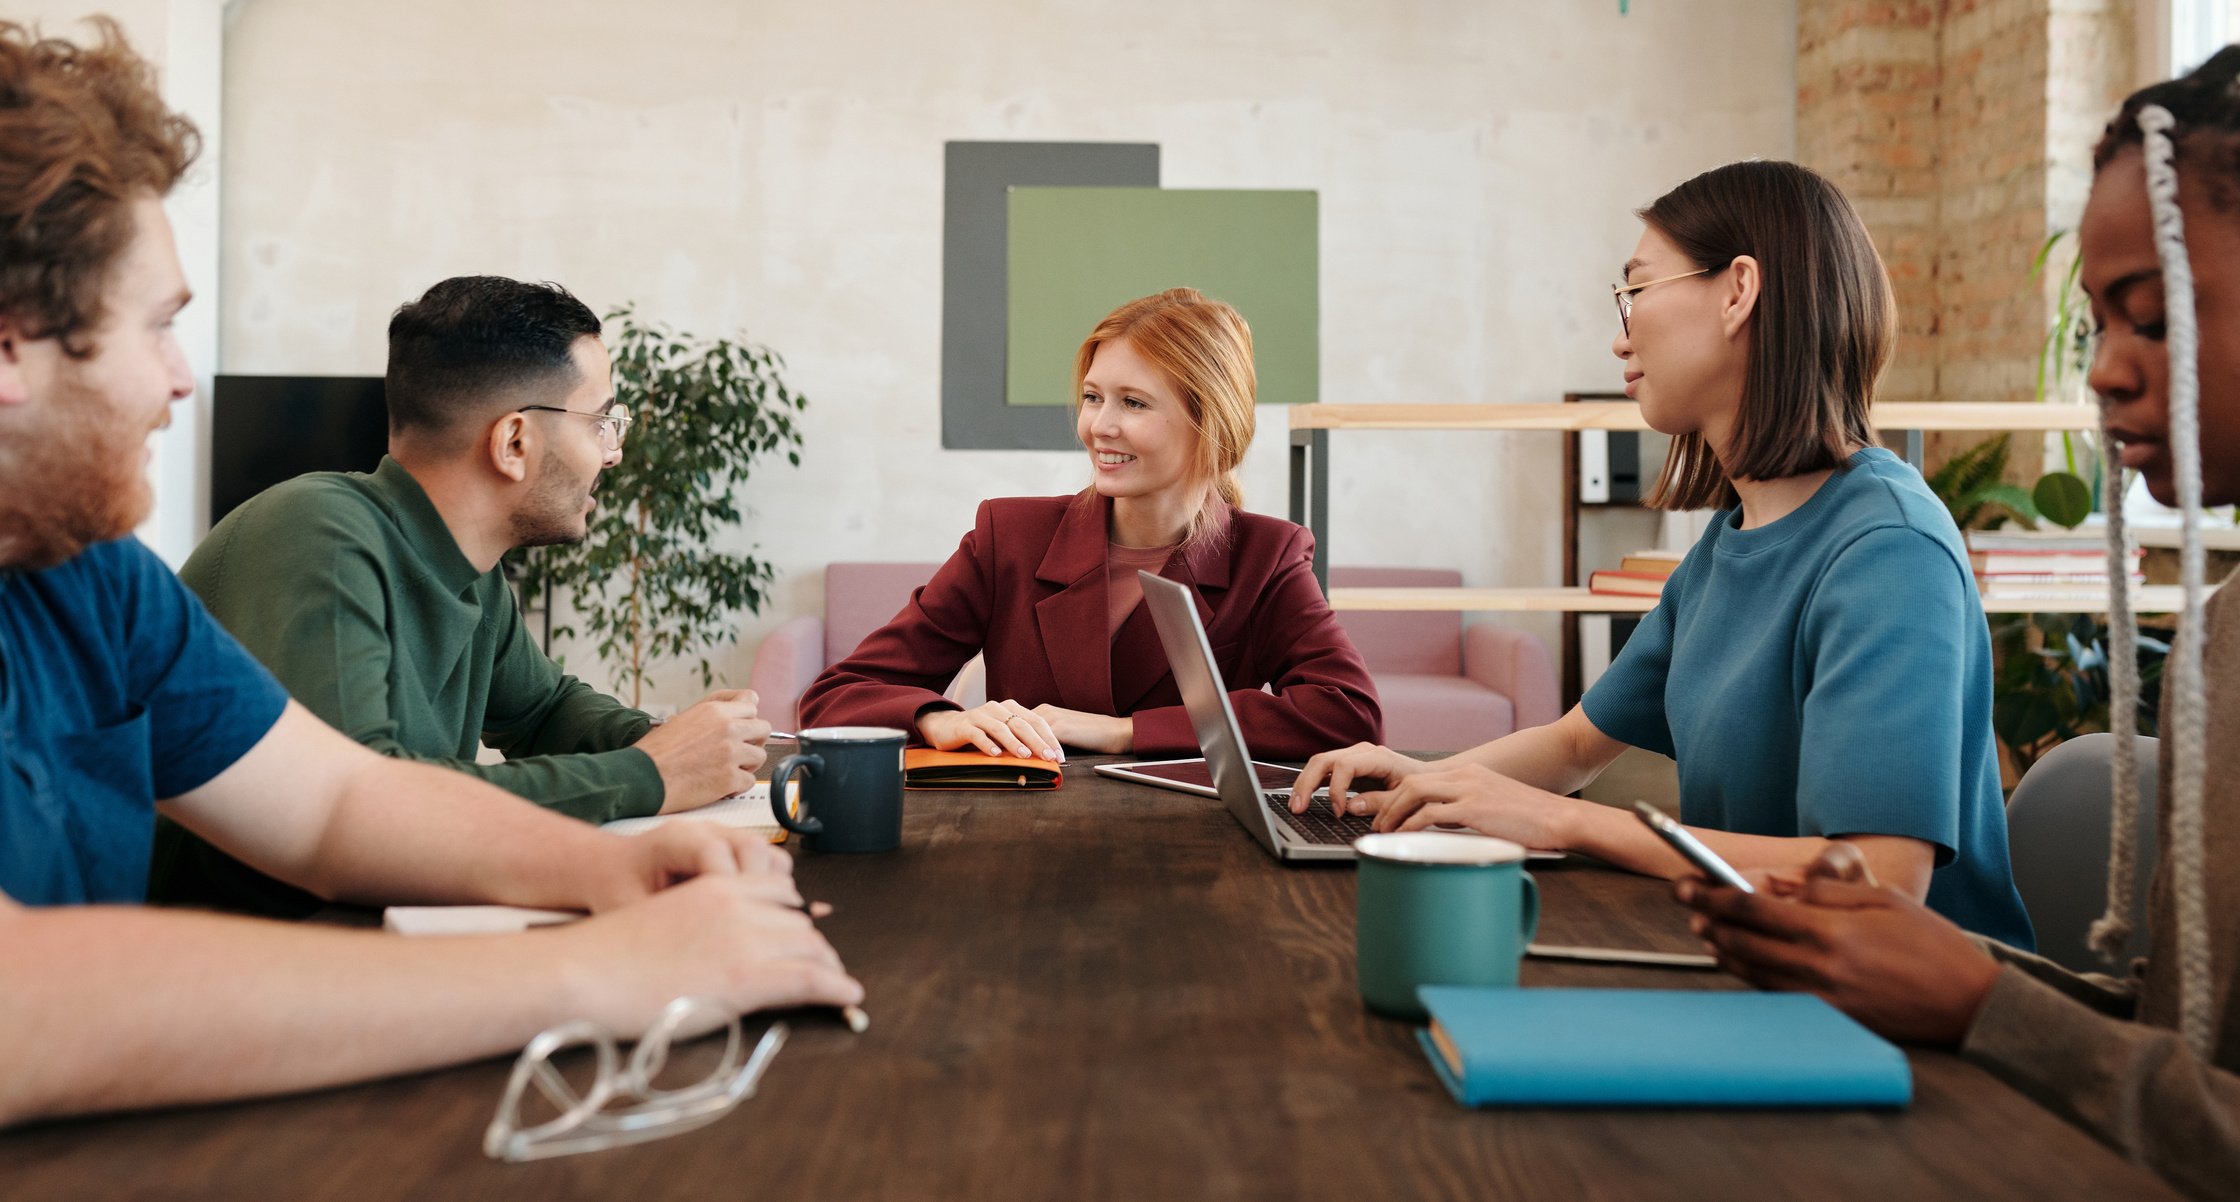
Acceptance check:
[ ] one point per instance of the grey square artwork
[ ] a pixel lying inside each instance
(975, 274)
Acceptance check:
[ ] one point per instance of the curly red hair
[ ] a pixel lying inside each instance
(83, 131)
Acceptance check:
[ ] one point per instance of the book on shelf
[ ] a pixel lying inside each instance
(2069, 542)
(1627, 584)
(1992, 580)
(2047, 590)
(2038, 563)
(1657, 562)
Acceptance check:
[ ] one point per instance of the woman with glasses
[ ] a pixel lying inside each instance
(1047, 588)
(1818, 665)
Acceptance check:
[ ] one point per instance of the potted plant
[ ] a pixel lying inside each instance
(646, 585)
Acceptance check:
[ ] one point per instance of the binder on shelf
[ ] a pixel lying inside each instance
(1594, 467)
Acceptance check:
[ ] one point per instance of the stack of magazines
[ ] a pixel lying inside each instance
(2052, 564)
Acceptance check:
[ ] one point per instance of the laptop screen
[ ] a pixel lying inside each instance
(1190, 657)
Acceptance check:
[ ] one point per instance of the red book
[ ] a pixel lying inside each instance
(1627, 584)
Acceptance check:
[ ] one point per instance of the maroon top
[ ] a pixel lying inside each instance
(1123, 589)
(1028, 587)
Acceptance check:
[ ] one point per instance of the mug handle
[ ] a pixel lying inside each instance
(1529, 920)
(813, 764)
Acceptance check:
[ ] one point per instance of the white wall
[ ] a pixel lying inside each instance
(184, 41)
(777, 167)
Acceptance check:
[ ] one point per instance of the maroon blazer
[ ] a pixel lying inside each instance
(1027, 586)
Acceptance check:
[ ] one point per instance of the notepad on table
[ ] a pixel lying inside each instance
(1633, 1047)
(747, 811)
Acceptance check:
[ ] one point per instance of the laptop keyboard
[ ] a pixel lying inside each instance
(1320, 824)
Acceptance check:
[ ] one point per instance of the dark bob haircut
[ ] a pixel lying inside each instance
(1819, 337)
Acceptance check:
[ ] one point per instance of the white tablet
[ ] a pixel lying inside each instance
(1192, 776)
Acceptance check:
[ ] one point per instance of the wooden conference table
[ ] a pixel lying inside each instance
(1110, 992)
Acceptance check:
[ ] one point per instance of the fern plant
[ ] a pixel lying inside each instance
(1974, 486)
(645, 584)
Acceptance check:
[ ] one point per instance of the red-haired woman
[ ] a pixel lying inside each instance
(1046, 587)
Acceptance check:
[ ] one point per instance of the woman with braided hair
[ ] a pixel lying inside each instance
(2149, 1062)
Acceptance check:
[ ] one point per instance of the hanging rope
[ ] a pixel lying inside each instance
(2186, 724)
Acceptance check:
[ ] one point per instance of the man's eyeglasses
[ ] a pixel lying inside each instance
(1624, 295)
(624, 1103)
(614, 424)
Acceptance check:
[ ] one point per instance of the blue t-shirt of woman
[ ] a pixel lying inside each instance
(1830, 674)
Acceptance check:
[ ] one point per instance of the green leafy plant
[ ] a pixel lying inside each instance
(645, 584)
(1974, 486)
(2053, 680)
(2065, 354)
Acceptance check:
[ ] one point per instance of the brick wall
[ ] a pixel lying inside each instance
(1962, 129)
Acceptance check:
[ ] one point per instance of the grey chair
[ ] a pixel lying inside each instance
(2057, 834)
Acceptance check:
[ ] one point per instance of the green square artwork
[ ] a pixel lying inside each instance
(1077, 254)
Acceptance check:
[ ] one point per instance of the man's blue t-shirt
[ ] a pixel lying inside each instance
(1830, 674)
(116, 689)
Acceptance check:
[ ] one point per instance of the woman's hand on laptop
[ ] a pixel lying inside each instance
(1477, 797)
(1341, 770)
(997, 728)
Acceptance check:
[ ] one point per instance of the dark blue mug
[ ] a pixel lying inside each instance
(851, 788)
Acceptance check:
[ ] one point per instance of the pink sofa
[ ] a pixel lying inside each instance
(858, 599)
(1444, 686)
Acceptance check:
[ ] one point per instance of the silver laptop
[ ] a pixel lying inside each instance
(1318, 834)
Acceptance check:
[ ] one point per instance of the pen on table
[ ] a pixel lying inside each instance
(857, 1020)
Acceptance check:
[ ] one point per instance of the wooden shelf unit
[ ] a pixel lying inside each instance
(1587, 414)
(1311, 426)
(2146, 599)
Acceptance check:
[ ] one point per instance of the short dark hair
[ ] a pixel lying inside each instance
(1820, 334)
(83, 131)
(2207, 134)
(470, 343)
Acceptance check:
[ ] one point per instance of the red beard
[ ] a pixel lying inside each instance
(71, 475)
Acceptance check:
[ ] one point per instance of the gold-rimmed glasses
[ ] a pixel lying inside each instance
(588, 1123)
(614, 424)
(1623, 293)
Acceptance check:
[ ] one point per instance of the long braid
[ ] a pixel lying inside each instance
(2187, 722)
(2111, 933)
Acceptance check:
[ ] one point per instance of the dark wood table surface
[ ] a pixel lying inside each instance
(1110, 992)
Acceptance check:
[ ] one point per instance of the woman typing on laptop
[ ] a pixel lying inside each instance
(1819, 665)
(1046, 587)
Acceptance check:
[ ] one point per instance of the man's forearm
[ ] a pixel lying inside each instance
(437, 836)
(130, 1008)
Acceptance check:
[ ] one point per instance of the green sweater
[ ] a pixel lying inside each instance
(356, 595)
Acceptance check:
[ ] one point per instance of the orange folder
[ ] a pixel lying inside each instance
(925, 768)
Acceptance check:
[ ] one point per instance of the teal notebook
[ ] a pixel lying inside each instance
(1639, 1047)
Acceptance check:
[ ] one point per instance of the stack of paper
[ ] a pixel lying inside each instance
(747, 811)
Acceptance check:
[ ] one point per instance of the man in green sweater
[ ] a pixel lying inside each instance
(377, 599)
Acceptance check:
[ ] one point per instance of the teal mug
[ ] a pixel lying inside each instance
(1439, 908)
